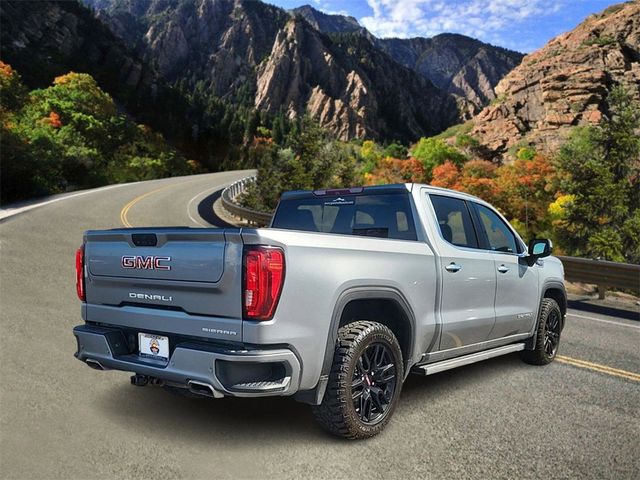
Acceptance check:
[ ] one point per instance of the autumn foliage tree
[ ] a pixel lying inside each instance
(396, 170)
(71, 135)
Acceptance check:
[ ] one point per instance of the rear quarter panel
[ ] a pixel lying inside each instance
(320, 268)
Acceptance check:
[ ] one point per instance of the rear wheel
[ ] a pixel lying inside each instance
(548, 334)
(364, 383)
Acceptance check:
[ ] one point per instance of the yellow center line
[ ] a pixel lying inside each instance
(596, 367)
(127, 207)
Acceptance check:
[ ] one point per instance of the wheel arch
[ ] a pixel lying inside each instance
(385, 305)
(556, 291)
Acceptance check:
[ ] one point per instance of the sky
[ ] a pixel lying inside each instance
(522, 25)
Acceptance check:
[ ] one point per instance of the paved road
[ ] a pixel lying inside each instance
(579, 417)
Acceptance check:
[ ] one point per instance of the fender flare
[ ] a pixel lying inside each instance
(547, 285)
(364, 293)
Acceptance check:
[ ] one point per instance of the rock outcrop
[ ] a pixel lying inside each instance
(564, 84)
(328, 23)
(459, 65)
(307, 72)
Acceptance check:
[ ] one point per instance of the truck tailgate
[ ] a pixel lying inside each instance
(184, 280)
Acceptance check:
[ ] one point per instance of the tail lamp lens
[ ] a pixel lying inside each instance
(263, 279)
(80, 273)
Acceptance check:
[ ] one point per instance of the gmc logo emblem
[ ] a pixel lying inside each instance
(145, 263)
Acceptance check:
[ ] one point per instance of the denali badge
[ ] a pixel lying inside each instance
(147, 296)
(145, 263)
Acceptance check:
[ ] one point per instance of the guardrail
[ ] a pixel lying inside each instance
(602, 273)
(229, 203)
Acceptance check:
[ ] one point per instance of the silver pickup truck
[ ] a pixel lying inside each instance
(343, 296)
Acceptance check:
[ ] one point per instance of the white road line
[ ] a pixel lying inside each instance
(637, 327)
(208, 190)
(10, 212)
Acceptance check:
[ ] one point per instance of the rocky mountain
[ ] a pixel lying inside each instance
(46, 39)
(211, 61)
(328, 23)
(252, 53)
(349, 86)
(459, 65)
(564, 84)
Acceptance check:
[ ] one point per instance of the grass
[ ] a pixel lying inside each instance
(600, 41)
(455, 130)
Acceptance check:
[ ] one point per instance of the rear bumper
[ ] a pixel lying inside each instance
(221, 371)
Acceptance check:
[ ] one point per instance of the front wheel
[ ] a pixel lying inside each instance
(364, 383)
(547, 336)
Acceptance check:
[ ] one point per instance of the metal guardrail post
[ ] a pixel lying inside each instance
(229, 202)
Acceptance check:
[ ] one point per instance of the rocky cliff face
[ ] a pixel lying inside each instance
(459, 65)
(251, 54)
(565, 83)
(255, 54)
(328, 23)
(348, 86)
(218, 42)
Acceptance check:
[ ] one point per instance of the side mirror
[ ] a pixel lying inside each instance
(538, 248)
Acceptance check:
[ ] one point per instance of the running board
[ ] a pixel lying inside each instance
(431, 368)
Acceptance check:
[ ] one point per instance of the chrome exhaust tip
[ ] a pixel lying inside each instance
(205, 389)
(96, 365)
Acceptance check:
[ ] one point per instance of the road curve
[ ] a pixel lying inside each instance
(500, 418)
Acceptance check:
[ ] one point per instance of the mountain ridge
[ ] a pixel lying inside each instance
(458, 64)
(564, 84)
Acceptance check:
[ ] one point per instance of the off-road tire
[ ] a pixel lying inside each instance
(549, 312)
(337, 413)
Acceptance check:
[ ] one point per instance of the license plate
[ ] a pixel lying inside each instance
(154, 346)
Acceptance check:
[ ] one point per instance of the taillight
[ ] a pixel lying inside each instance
(263, 279)
(80, 273)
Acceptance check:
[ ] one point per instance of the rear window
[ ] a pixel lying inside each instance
(385, 216)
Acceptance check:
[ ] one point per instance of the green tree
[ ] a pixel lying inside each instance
(433, 152)
(312, 161)
(72, 135)
(396, 150)
(371, 153)
(599, 168)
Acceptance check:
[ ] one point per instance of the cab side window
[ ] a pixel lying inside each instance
(454, 221)
(499, 235)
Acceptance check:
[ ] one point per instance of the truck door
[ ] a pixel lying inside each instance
(517, 284)
(468, 276)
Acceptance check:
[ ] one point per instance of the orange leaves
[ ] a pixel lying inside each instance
(66, 78)
(395, 170)
(5, 70)
(446, 175)
(53, 119)
(477, 177)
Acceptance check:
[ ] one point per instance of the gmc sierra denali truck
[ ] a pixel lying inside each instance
(345, 294)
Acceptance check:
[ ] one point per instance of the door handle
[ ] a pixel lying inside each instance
(503, 269)
(453, 267)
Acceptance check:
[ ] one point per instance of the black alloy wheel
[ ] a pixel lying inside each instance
(552, 333)
(373, 383)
